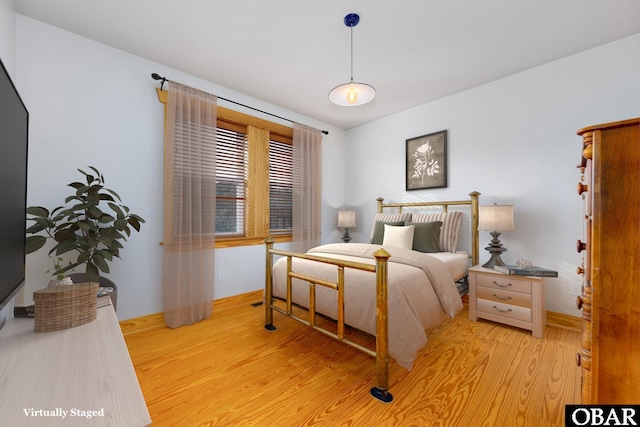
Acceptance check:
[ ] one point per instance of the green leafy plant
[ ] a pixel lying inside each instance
(57, 266)
(92, 223)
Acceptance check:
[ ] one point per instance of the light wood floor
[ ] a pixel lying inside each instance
(229, 371)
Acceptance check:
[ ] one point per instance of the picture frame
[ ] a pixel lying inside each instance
(427, 161)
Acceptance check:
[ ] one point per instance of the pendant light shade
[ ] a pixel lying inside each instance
(353, 93)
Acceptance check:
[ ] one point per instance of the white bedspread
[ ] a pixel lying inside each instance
(421, 293)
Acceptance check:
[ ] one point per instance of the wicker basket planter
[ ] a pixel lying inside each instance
(65, 306)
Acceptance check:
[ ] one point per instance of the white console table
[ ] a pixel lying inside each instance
(81, 376)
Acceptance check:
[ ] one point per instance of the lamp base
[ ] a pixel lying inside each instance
(495, 248)
(346, 237)
(494, 260)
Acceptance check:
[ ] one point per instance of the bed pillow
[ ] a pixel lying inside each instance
(398, 236)
(378, 230)
(450, 229)
(426, 236)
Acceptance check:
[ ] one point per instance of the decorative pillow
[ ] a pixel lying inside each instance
(386, 218)
(399, 237)
(450, 230)
(426, 236)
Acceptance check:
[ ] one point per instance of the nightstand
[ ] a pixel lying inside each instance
(508, 299)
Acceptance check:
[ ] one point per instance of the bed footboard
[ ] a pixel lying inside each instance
(381, 390)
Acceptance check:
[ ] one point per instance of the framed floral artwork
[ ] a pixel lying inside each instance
(427, 161)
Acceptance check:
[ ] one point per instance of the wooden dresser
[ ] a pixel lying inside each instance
(610, 300)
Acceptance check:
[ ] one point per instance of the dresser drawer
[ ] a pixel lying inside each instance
(504, 297)
(505, 310)
(507, 283)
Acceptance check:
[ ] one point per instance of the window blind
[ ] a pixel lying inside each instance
(230, 189)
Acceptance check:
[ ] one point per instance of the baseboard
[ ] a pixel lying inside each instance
(154, 320)
(565, 321)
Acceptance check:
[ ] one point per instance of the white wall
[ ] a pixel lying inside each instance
(513, 140)
(94, 105)
(8, 35)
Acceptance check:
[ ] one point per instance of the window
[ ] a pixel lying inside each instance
(253, 181)
(231, 170)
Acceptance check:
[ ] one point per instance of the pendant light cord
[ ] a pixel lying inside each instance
(351, 54)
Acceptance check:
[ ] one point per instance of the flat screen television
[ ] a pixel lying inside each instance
(14, 140)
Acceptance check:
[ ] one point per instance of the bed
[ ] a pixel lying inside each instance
(397, 286)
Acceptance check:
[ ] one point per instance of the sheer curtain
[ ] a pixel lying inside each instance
(307, 187)
(189, 205)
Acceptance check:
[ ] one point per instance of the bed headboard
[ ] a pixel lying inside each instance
(444, 205)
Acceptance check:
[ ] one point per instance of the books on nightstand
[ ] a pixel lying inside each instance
(528, 271)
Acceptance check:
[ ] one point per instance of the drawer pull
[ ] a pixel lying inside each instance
(502, 299)
(578, 359)
(502, 286)
(503, 311)
(581, 246)
(582, 188)
(579, 303)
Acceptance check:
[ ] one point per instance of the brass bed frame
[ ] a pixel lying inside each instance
(381, 354)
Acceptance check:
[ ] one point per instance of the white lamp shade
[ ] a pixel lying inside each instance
(346, 219)
(352, 94)
(496, 218)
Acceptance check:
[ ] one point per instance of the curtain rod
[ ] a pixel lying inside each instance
(156, 76)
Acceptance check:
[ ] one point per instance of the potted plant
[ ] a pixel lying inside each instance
(92, 223)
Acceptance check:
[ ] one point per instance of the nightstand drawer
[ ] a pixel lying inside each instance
(506, 283)
(506, 310)
(504, 297)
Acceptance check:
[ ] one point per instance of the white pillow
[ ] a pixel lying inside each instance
(450, 230)
(398, 236)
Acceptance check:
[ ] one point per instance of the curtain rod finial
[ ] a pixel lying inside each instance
(156, 76)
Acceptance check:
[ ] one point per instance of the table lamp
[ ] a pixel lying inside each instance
(346, 220)
(495, 219)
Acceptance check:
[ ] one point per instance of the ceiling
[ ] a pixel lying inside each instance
(291, 53)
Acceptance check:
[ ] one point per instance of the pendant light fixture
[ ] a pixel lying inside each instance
(353, 93)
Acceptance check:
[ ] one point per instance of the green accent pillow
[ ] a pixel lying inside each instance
(426, 236)
(378, 231)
